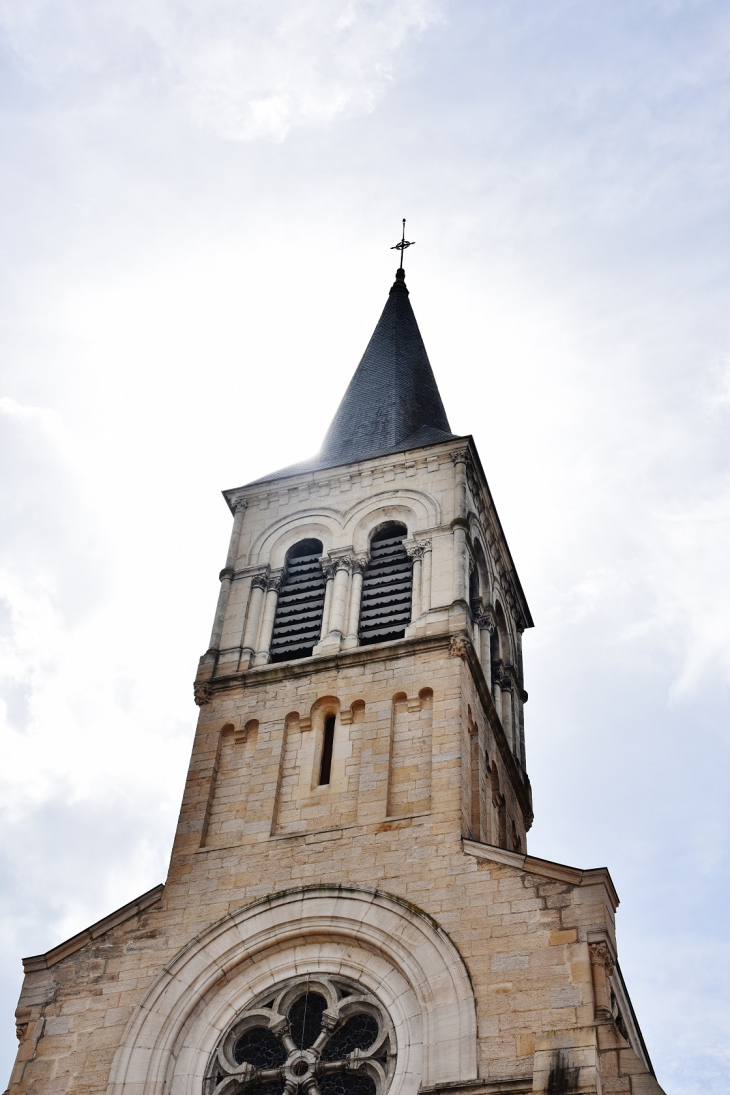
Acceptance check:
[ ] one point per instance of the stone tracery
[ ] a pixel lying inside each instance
(316, 1034)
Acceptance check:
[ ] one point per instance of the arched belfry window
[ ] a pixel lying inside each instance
(315, 1033)
(298, 619)
(385, 608)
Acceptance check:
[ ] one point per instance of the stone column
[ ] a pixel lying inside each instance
(459, 525)
(329, 573)
(273, 586)
(226, 575)
(507, 720)
(340, 590)
(601, 969)
(426, 577)
(416, 554)
(497, 694)
(459, 460)
(353, 617)
(253, 617)
(486, 627)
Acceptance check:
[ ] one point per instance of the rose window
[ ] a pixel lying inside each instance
(318, 1035)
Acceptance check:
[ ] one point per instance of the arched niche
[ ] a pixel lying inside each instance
(393, 949)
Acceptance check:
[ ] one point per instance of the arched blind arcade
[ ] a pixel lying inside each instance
(386, 589)
(298, 619)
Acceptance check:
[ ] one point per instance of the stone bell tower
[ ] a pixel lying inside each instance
(350, 907)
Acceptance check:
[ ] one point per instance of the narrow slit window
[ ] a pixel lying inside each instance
(328, 742)
(298, 617)
(387, 586)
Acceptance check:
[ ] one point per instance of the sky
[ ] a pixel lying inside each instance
(197, 205)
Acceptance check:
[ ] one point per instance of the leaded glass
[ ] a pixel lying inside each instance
(317, 1035)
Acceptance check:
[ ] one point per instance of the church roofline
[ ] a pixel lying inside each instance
(39, 962)
(561, 872)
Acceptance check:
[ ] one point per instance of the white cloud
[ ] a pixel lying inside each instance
(246, 70)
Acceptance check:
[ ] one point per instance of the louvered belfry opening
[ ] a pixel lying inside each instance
(385, 609)
(298, 619)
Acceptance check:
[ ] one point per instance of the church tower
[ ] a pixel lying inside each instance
(350, 907)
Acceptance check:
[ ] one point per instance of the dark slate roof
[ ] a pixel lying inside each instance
(392, 403)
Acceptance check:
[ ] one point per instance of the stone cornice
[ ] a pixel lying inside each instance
(44, 961)
(561, 872)
(305, 484)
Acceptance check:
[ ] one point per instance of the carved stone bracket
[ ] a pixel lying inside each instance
(22, 1021)
(459, 647)
(202, 693)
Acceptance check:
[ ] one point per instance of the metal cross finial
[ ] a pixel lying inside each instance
(403, 244)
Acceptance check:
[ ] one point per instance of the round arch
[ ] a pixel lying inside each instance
(395, 950)
(273, 542)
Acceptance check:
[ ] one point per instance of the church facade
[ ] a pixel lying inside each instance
(350, 907)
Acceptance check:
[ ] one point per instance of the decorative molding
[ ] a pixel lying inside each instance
(227, 572)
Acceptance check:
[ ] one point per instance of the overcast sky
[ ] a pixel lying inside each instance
(197, 205)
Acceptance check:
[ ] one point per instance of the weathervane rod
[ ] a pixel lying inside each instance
(403, 244)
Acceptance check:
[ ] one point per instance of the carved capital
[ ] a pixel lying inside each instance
(486, 619)
(258, 581)
(274, 582)
(426, 545)
(330, 1021)
(416, 551)
(343, 563)
(202, 693)
(601, 956)
(328, 569)
(459, 647)
(461, 456)
(359, 566)
(227, 572)
(240, 505)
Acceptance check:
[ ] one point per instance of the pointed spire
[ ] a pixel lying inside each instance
(392, 402)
